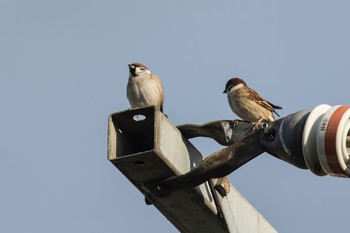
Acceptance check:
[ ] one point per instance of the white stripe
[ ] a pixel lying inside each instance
(236, 87)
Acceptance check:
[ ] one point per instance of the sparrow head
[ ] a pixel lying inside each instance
(137, 69)
(234, 84)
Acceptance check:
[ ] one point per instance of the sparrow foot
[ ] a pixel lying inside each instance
(256, 125)
(260, 124)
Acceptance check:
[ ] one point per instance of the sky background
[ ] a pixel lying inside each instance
(63, 70)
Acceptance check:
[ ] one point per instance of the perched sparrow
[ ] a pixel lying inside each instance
(144, 89)
(248, 104)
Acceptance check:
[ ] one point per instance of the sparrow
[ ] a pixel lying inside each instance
(143, 88)
(248, 104)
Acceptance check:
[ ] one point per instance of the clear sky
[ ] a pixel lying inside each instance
(63, 70)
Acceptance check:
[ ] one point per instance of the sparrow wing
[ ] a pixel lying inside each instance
(159, 86)
(254, 96)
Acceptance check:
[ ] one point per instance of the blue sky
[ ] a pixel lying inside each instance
(63, 70)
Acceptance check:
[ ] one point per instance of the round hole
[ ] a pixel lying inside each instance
(139, 117)
(139, 163)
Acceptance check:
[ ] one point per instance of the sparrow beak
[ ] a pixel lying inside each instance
(225, 91)
(130, 67)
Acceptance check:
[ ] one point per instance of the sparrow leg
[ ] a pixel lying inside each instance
(256, 124)
(235, 123)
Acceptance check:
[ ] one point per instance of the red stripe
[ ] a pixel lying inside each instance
(330, 140)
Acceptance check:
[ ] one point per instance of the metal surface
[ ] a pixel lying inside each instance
(153, 149)
(223, 132)
(241, 215)
(159, 160)
(287, 135)
(147, 148)
(219, 164)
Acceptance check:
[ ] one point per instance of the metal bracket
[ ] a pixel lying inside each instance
(147, 148)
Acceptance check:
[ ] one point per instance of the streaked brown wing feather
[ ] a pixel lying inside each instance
(259, 100)
(160, 88)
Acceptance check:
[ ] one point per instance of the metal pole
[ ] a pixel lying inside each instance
(147, 148)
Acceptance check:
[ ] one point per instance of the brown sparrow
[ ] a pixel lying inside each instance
(144, 89)
(248, 104)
